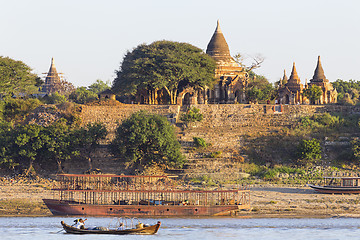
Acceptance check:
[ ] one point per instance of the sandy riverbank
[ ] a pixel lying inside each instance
(25, 198)
(301, 201)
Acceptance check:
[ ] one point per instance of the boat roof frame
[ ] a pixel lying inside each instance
(342, 177)
(115, 176)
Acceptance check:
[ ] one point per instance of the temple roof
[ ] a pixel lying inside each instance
(218, 47)
(294, 76)
(51, 79)
(319, 72)
(285, 78)
(52, 70)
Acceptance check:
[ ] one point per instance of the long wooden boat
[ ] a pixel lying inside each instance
(338, 185)
(141, 231)
(121, 195)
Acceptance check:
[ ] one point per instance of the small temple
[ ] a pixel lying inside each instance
(231, 77)
(52, 80)
(329, 93)
(291, 92)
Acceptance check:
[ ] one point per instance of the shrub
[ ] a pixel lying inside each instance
(199, 142)
(54, 98)
(355, 147)
(216, 154)
(17, 109)
(308, 151)
(192, 115)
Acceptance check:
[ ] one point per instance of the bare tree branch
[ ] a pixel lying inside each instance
(257, 61)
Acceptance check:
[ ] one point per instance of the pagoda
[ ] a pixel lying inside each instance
(52, 81)
(329, 93)
(231, 77)
(291, 91)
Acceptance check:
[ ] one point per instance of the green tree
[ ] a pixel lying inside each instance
(87, 139)
(27, 143)
(348, 91)
(164, 65)
(259, 88)
(308, 151)
(16, 109)
(6, 139)
(55, 98)
(313, 94)
(16, 78)
(145, 139)
(99, 86)
(82, 95)
(59, 144)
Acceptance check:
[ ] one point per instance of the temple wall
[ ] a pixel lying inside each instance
(217, 115)
(226, 126)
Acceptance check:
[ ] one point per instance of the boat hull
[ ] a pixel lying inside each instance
(335, 189)
(65, 208)
(139, 231)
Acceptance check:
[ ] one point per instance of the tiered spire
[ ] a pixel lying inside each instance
(218, 47)
(319, 72)
(294, 76)
(52, 79)
(285, 78)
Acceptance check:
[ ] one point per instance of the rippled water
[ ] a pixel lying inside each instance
(192, 228)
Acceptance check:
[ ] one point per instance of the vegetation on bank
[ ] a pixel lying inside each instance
(164, 65)
(26, 146)
(147, 139)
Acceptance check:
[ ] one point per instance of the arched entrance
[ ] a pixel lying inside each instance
(287, 99)
(186, 99)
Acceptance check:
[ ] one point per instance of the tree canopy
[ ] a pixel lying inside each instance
(82, 95)
(313, 93)
(348, 91)
(145, 139)
(259, 88)
(99, 86)
(164, 65)
(16, 77)
(88, 138)
(24, 146)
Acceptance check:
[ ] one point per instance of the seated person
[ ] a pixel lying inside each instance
(79, 223)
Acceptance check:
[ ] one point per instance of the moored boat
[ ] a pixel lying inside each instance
(121, 195)
(140, 229)
(338, 185)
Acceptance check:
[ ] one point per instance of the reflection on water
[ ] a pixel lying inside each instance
(191, 228)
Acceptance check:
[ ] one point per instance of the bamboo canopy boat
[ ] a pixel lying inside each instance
(141, 230)
(125, 195)
(338, 185)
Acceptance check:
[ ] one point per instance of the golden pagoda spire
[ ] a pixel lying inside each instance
(294, 76)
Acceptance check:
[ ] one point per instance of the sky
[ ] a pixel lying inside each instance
(88, 39)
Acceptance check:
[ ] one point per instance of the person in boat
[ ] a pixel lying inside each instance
(80, 223)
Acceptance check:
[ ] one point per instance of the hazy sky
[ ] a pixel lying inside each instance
(88, 38)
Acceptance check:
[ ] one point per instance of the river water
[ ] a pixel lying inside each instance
(191, 228)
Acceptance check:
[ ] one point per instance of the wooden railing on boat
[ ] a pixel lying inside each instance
(142, 190)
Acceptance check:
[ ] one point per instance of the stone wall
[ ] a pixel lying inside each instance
(111, 116)
(224, 126)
